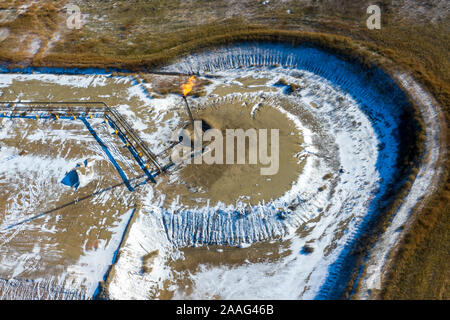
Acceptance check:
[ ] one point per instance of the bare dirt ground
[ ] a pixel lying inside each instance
(71, 225)
(228, 183)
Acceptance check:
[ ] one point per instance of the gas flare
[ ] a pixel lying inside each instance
(187, 87)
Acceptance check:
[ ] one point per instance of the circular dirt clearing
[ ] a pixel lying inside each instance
(227, 181)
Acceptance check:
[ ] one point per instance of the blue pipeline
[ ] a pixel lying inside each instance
(56, 70)
(111, 158)
(47, 116)
(115, 255)
(121, 136)
(132, 149)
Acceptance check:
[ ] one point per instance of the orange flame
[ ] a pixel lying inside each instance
(187, 87)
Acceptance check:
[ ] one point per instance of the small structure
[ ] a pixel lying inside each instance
(81, 175)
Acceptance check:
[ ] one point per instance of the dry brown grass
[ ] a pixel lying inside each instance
(147, 260)
(37, 23)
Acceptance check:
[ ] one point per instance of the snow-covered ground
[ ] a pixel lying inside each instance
(349, 121)
(423, 185)
(55, 241)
